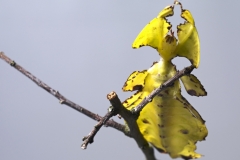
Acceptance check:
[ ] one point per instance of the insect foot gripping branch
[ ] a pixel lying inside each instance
(169, 122)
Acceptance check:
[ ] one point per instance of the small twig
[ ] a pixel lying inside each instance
(132, 124)
(155, 92)
(62, 99)
(89, 138)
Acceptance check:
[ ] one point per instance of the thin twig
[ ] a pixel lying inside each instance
(62, 99)
(89, 138)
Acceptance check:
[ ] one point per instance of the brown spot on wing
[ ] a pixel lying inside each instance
(192, 92)
(162, 136)
(166, 91)
(145, 121)
(178, 100)
(160, 95)
(186, 157)
(137, 87)
(184, 131)
(161, 126)
(159, 105)
(192, 80)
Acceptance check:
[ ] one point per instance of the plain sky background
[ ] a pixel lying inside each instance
(83, 49)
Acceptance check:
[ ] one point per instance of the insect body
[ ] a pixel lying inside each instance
(169, 122)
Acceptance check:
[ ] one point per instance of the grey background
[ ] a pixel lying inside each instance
(83, 49)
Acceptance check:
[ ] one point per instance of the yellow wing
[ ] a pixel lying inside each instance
(181, 127)
(155, 35)
(154, 32)
(193, 86)
(134, 82)
(188, 40)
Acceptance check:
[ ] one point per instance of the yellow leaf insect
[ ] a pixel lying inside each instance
(169, 122)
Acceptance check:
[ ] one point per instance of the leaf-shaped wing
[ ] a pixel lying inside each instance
(188, 40)
(128, 103)
(182, 126)
(135, 81)
(154, 32)
(193, 86)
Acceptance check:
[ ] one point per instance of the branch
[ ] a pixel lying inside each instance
(131, 116)
(132, 124)
(89, 138)
(155, 92)
(117, 108)
(62, 99)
